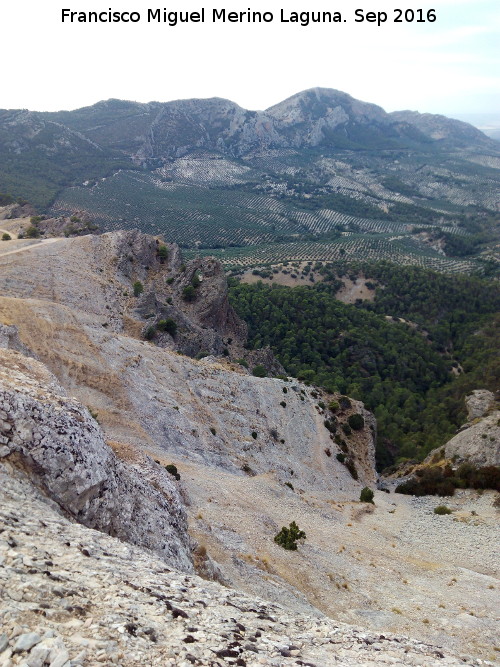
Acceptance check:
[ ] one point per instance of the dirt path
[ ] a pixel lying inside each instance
(28, 246)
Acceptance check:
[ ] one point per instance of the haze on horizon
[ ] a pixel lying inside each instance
(450, 66)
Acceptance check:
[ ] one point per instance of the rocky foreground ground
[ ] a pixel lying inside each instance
(73, 596)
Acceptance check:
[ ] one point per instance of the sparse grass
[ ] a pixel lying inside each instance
(442, 509)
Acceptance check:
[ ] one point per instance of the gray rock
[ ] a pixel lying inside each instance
(59, 658)
(4, 642)
(9, 340)
(26, 641)
(37, 656)
(479, 443)
(478, 403)
(63, 446)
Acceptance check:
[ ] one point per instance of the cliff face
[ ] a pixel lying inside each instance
(95, 277)
(62, 449)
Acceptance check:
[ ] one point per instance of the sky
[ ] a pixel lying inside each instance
(449, 66)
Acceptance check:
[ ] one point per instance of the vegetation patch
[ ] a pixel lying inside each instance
(407, 372)
(366, 495)
(442, 481)
(172, 469)
(287, 537)
(442, 509)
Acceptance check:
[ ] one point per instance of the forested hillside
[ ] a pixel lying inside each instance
(414, 373)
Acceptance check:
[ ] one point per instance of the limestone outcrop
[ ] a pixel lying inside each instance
(62, 448)
(478, 440)
(478, 403)
(477, 443)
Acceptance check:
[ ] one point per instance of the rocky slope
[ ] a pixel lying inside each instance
(73, 596)
(253, 455)
(62, 449)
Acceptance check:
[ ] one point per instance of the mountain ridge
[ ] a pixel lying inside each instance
(208, 174)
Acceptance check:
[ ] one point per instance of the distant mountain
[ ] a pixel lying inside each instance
(211, 175)
(41, 152)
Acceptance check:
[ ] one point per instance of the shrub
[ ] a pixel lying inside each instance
(242, 362)
(212, 430)
(170, 468)
(138, 288)
(330, 425)
(290, 485)
(254, 435)
(169, 325)
(163, 253)
(170, 280)
(333, 406)
(259, 371)
(356, 422)
(287, 537)
(195, 280)
(6, 237)
(350, 465)
(189, 293)
(283, 404)
(341, 457)
(345, 402)
(442, 509)
(32, 232)
(443, 481)
(149, 333)
(366, 495)
(347, 429)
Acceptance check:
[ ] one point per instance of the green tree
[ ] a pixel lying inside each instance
(356, 421)
(163, 253)
(32, 232)
(287, 537)
(366, 495)
(169, 325)
(189, 293)
(138, 288)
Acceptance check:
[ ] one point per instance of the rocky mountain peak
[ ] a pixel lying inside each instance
(441, 128)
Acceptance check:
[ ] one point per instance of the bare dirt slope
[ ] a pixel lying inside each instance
(238, 448)
(72, 596)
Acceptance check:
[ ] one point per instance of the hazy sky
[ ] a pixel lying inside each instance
(450, 66)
